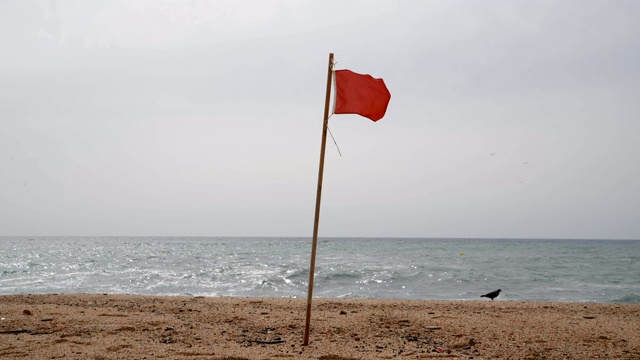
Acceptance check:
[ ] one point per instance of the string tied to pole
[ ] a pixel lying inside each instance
(332, 138)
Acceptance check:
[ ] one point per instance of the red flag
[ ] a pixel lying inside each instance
(360, 94)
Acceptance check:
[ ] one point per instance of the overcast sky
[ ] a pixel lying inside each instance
(507, 118)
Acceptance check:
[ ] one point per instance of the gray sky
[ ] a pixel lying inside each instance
(205, 118)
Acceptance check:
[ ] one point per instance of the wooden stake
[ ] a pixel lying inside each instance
(318, 197)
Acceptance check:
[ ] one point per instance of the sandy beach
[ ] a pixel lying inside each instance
(97, 326)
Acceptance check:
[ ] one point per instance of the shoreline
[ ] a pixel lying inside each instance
(114, 326)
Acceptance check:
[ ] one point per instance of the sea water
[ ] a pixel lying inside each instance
(388, 268)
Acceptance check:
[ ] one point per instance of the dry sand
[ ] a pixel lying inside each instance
(94, 326)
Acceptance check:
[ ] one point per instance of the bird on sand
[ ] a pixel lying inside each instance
(492, 295)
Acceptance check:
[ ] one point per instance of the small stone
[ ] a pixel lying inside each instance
(434, 327)
(27, 312)
(589, 317)
(342, 312)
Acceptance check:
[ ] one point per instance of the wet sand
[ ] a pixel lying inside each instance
(96, 326)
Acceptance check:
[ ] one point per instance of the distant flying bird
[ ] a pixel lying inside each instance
(492, 295)
(526, 163)
(492, 154)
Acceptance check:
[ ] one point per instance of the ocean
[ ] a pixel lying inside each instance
(605, 271)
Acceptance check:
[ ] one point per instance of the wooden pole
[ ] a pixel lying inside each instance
(318, 197)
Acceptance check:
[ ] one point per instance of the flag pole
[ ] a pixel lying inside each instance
(318, 196)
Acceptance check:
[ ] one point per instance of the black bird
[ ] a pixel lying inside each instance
(492, 295)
